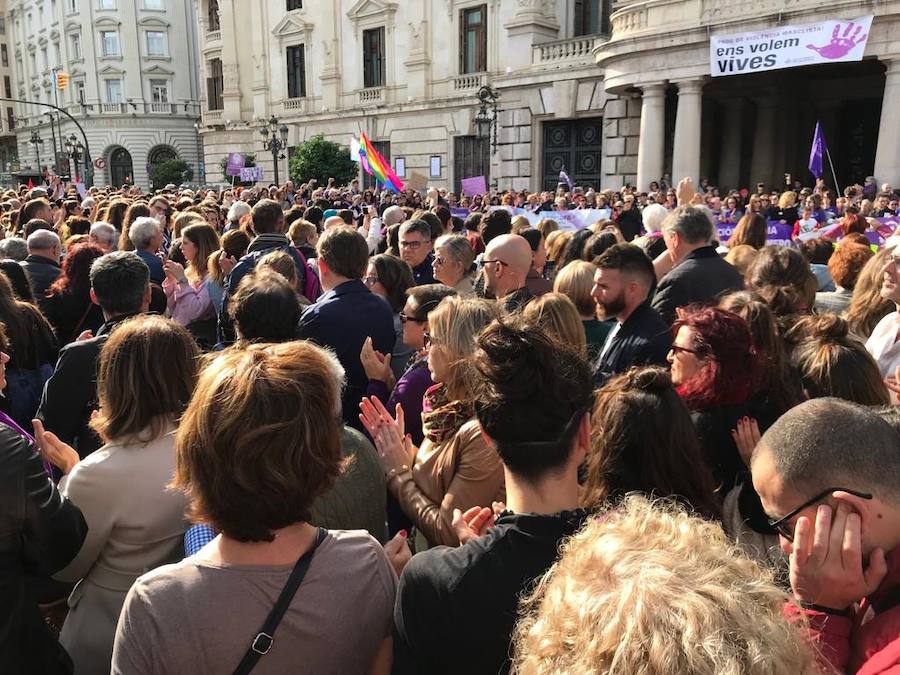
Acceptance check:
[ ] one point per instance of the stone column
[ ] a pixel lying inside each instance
(887, 154)
(761, 169)
(651, 144)
(730, 157)
(686, 151)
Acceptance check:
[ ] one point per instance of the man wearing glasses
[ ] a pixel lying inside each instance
(416, 250)
(828, 476)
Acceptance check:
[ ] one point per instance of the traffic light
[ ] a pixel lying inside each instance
(62, 81)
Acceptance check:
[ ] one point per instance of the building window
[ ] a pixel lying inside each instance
(4, 55)
(215, 83)
(2, 25)
(156, 43)
(7, 86)
(75, 41)
(473, 40)
(296, 72)
(44, 61)
(33, 59)
(294, 4)
(78, 91)
(591, 17)
(10, 119)
(159, 91)
(57, 55)
(153, 4)
(113, 91)
(107, 4)
(212, 14)
(72, 6)
(373, 57)
(110, 41)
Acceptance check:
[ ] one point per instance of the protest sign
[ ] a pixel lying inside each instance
(477, 185)
(788, 47)
(251, 173)
(234, 163)
(416, 181)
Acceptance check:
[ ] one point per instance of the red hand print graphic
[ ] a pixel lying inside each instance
(840, 45)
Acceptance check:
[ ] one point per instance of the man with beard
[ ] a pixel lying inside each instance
(623, 283)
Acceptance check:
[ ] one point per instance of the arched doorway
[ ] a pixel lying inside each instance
(158, 155)
(121, 170)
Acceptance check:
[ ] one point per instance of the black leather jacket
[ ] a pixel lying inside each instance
(40, 533)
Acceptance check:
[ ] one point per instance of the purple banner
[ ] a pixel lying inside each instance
(234, 163)
(780, 233)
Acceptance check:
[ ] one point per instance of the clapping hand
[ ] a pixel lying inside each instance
(476, 521)
(746, 436)
(53, 450)
(827, 562)
(376, 364)
(394, 447)
(174, 270)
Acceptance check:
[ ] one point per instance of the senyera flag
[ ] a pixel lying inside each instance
(377, 165)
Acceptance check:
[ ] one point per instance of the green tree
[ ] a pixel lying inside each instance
(321, 159)
(171, 171)
(249, 160)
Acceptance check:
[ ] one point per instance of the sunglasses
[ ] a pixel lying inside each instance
(406, 317)
(429, 340)
(370, 280)
(678, 349)
(781, 525)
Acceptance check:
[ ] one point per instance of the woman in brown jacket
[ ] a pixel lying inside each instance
(454, 468)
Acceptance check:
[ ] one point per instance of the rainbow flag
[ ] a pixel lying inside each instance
(376, 165)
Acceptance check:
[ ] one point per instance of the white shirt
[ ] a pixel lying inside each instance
(883, 344)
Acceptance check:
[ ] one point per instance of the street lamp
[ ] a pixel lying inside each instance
(486, 118)
(275, 140)
(75, 151)
(37, 141)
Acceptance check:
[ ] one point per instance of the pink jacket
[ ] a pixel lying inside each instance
(188, 303)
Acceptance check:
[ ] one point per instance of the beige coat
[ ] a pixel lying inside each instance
(135, 524)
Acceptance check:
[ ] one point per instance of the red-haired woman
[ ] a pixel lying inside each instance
(68, 305)
(714, 370)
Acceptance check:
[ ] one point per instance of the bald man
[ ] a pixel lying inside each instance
(507, 262)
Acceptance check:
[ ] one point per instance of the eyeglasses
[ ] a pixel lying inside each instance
(414, 245)
(370, 280)
(438, 260)
(781, 524)
(404, 317)
(678, 349)
(429, 340)
(499, 262)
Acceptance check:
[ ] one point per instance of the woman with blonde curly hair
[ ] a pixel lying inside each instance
(649, 589)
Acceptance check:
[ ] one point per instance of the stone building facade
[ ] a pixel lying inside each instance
(743, 129)
(134, 86)
(407, 74)
(613, 94)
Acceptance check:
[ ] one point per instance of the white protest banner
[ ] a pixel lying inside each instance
(788, 47)
(251, 173)
(575, 219)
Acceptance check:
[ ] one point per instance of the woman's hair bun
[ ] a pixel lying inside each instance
(649, 379)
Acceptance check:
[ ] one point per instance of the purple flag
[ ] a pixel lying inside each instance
(817, 153)
(564, 178)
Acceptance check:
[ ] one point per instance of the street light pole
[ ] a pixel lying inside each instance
(275, 140)
(75, 151)
(37, 141)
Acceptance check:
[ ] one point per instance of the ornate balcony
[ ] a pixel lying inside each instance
(371, 95)
(469, 82)
(565, 53)
(294, 105)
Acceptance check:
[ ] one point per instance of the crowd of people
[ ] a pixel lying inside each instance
(328, 429)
